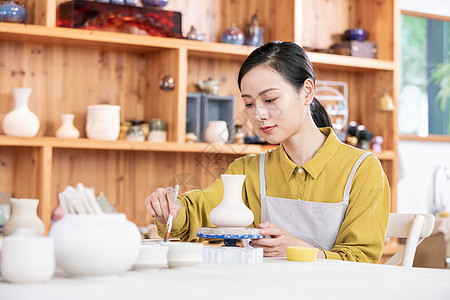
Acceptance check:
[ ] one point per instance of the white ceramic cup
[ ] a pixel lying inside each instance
(184, 255)
(27, 259)
(151, 257)
(103, 122)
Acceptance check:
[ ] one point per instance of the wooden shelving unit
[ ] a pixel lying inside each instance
(69, 69)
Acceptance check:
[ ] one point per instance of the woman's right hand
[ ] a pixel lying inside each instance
(161, 203)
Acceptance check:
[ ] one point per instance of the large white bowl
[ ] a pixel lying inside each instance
(95, 245)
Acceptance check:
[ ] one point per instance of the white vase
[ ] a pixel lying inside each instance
(27, 258)
(67, 129)
(24, 215)
(95, 245)
(216, 132)
(21, 121)
(232, 212)
(103, 122)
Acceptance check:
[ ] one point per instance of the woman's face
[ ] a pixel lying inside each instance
(275, 108)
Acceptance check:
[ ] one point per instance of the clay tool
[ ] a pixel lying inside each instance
(169, 221)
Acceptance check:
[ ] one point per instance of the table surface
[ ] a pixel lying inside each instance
(274, 279)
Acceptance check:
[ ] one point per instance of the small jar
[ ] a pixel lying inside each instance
(158, 131)
(135, 132)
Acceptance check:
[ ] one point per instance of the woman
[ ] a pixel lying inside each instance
(312, 190)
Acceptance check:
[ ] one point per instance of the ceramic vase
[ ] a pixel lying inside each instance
(95, 245)
(21, 121)
(233, 35)
(103, 122)
(231, 212)
(24, 215)
(216, 132)
(67, 129)
(27, 258)
(12, 12)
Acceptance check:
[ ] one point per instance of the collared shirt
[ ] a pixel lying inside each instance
(321, 179)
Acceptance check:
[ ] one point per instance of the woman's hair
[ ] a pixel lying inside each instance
(291, 62)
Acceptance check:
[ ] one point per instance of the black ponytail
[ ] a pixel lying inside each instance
(291, 62)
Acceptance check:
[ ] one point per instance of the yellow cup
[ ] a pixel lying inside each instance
(297, 253)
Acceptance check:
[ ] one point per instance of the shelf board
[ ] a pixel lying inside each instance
(84, 143)
(349, 63)
(141, 43)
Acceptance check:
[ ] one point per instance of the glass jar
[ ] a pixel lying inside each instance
(158, 131)
(135, 132)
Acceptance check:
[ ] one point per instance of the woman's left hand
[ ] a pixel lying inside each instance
(279, 241)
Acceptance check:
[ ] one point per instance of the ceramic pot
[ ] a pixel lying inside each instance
(155, 3)
(27, 258)
(151, 257)
(184, 255)
(24, 215)
(216, 132)
(67, 129)
(254, 33)
(103, 122)
(21, 121)
(13, 12)
(233, 35)
(231, 212)
(103, 245)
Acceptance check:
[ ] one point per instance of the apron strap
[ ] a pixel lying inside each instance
(352, 174)
(262, 177)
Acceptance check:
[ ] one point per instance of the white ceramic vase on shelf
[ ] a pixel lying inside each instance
(232, 212)
(27, 257)
(24, 215)
(95, 245)
(21, 121)
(67, 129)
(216, 132)
(103, 122)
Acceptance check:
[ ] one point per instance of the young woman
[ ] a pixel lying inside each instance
(312, 190)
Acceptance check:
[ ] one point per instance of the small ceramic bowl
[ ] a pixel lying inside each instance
(155, 3)
(184, 255)
(152, 256)
(355, 34)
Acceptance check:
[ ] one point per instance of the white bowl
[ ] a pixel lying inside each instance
(152, 256)
(103, 245)
(27, 259)
(184, 255)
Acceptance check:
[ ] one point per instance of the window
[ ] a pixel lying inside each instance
(424, 104)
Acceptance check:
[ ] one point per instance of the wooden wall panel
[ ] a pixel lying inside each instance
(324, 21)
(6, 169)
(68, 79)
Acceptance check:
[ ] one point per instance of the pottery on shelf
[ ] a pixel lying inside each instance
(231, 212)
(209, 86)
(21, 121)
(155, 3)
(95, 245)
(216, 132)
(103, 122)
(27, 257)
(67, 129)
(254, 33)
(184, 255)
(233, 35)
(24, 215)
(355, 34)
(12, 12)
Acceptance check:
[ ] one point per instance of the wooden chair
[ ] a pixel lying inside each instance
(415, 228)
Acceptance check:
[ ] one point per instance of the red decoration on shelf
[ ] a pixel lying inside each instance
(119, 18)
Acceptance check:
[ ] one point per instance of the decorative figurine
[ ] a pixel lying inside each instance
(254, 33)
(377, 141)
(233, 35)
(193, 35)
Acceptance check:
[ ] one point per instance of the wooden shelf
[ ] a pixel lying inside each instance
(140, 43)
(84, 143)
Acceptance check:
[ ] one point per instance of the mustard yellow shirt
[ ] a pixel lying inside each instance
(362, 232)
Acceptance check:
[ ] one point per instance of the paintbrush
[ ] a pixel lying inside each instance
(169, 221)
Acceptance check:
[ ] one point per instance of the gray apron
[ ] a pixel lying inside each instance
(316, 223)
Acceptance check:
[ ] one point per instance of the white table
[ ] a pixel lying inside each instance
(274, 279)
